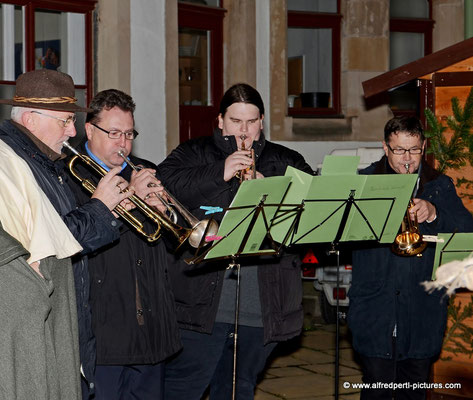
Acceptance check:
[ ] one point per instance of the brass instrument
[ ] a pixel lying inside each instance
(181, 234)
(209, 227)
(252, 168)
(409, 242)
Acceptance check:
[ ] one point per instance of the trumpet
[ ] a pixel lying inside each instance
(207, 227)
(252, 168)
(409, 242)
(181, 234)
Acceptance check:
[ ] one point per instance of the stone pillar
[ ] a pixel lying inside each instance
(449, 23)
(468, 19)
(278, 71)
(113, 45)
(365, 54)
(239, 37)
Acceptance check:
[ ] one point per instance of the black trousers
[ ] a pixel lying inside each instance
(395, 373)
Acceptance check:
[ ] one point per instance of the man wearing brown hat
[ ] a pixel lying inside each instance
(42, 118)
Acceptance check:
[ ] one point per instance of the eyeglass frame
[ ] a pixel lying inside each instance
(403, 151)
(135, 133)
(66, 121)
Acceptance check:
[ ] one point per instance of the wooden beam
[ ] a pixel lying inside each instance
(453, 79)
(423, 66)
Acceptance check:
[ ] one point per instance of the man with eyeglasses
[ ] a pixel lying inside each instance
(397, 326)
(44, 363)
(133, 315)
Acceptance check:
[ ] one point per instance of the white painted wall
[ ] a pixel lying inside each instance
(148, 52)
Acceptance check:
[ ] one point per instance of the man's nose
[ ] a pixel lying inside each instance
(244, 127)
(407, 156)
(122, 140)
(71, 131)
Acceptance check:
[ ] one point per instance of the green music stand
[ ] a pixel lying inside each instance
(341, 206)
(245, 226)
(451, 247)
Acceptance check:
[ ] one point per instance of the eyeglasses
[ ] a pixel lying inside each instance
(129, 135)
(66, 122)
(400, 152)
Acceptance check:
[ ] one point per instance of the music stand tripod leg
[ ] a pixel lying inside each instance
(335, 251)
(236, 267)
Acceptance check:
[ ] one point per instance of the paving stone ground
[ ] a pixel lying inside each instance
(304, 369)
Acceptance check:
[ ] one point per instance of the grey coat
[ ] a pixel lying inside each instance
(39, 352)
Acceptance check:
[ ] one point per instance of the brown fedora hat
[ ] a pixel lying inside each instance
(46, 89)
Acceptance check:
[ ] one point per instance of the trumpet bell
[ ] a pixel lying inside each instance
(408, 244)
(199, 230)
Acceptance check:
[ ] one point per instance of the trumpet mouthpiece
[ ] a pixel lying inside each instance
(68, 146)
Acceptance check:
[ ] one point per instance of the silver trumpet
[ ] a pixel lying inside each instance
(207, 226)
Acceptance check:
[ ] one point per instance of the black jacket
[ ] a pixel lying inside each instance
(386, 288)
(133, 315)
(92, 225)
(193, 172)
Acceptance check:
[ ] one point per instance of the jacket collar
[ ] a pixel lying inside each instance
(228, 143)
(46, 150)
(427, 173)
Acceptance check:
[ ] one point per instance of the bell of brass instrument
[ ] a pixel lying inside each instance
(409, 242)
(181, 234)
(252, 167)
(209, 227)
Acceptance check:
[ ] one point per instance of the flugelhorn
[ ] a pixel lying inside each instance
(252, 168)
(409, 242)
(181, 234)
(207, 227)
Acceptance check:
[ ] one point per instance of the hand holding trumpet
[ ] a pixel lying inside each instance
(147, 186)
(111, 190)
(241, 164)
(425, 211)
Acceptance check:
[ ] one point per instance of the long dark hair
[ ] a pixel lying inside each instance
(241, 93)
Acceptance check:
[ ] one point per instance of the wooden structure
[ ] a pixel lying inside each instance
(441, 75)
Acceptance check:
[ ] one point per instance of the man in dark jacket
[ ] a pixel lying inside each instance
(397, 326)
(205, 172)
(42, 119)
(132, 304)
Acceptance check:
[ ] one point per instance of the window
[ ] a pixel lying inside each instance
(46, 34)
(313, 52)
(410, 38)
(200, 67)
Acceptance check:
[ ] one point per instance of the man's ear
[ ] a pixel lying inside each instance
(220, 121)
(89, 130)
(28, 120)
(385, 148)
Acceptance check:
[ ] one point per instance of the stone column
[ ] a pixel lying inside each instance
(365, 54)
(449, 23)
(113, 45)
(239, 37)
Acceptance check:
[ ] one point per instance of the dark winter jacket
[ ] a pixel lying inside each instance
(386, 290)
(92, 225)
(193, 172)
(133, 313)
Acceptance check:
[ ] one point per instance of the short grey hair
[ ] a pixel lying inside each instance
(17, 112)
